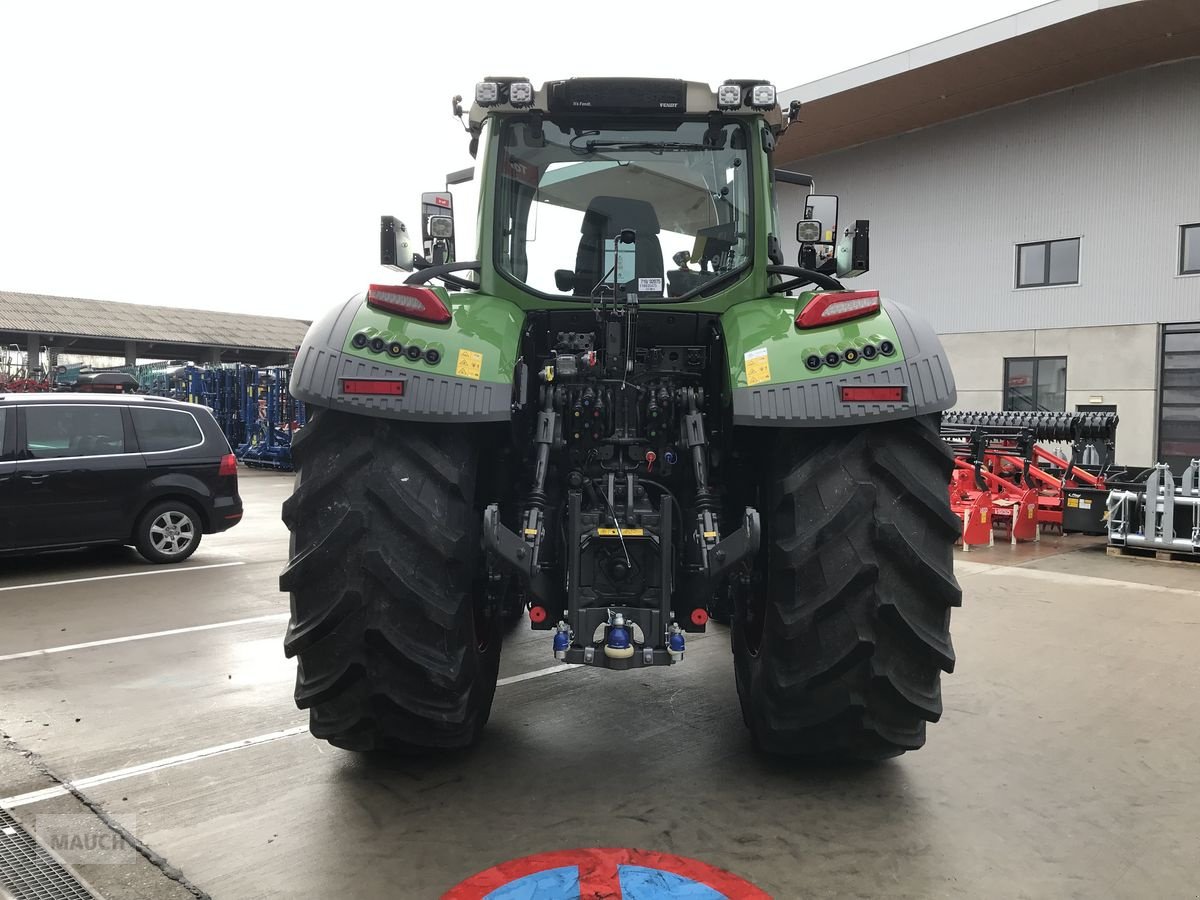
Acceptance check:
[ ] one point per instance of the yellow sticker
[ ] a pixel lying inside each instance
(1072, 501)
(624, 532)
(983, 516)
(758, 366)
(710, 534)
(469, 365)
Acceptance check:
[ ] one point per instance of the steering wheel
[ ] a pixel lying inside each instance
(425, 271)
(802, 277)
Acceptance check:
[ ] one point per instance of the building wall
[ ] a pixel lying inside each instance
(1115, 162)
(1115, 365)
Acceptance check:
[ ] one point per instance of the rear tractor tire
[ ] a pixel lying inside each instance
(840, 653)
(395, 648)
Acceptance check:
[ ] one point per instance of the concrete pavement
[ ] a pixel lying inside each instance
(1064, 765)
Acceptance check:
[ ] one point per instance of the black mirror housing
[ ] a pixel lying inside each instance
(395, 248)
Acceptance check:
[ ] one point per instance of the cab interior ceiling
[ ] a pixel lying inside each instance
(681, 197)
(680, 186)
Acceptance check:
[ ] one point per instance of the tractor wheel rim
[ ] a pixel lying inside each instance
(172, 533)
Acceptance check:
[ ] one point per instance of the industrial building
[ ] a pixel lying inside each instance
(1033, 190)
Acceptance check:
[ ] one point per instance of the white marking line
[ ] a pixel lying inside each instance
(161, 570)
(272, 617)
(514, 679)
(119, 774)
(169, 762)
(969, 568)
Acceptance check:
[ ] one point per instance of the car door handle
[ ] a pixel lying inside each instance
(32, 478)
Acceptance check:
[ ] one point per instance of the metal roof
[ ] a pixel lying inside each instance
(76, 317)
(1048, 48)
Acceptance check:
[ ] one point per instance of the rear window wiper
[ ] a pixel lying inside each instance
(652, 146)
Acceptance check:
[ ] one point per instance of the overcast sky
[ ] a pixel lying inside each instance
(237, 156)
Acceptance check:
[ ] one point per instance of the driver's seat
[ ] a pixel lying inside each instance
(604, 219)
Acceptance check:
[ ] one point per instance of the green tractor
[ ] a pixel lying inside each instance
(628, 414)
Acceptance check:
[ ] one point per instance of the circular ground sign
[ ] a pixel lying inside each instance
(605, 874)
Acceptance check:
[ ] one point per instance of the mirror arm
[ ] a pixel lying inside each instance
(426, 270)
(804, 276)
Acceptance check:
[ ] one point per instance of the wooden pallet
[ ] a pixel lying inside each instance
(1152, 553)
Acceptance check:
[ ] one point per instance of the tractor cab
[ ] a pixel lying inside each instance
(661, 189)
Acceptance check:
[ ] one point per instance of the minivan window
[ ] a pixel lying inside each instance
(165, 429)
(57, 430)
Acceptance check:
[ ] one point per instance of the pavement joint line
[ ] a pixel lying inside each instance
(970, 568)
(27, 654)
(158, 571)
(65, 786)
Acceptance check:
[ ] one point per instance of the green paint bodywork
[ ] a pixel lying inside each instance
(771, 323)
(480, 324)
(490, 321)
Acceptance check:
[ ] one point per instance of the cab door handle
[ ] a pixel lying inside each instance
(33, 478)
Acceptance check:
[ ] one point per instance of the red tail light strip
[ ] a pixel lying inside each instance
(372, 386)
(873, 394)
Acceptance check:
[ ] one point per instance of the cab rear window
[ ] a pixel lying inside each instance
(165, 429)
(57, 430)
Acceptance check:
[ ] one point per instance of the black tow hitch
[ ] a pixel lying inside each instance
(620, 606)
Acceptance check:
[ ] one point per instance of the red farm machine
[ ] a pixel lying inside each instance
(1006, 479)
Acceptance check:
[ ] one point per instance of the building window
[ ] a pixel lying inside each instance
(1035, 383)
(1189, 250)
(1047, 263)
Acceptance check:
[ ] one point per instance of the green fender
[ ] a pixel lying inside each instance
(462, 369)
(773, 380)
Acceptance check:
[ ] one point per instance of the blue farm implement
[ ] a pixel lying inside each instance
(271, 418)
(251, 405)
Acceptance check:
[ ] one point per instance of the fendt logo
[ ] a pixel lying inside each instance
(605, 874)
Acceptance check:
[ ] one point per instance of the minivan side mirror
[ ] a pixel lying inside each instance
(395, 248)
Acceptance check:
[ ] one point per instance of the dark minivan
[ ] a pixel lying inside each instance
(78, 469)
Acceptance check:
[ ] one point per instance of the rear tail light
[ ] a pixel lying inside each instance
(409, 300)
(228, 465)
(837, 306)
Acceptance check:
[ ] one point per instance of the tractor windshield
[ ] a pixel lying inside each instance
(564, 195)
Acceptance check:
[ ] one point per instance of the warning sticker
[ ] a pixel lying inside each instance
(758, 366)
(650, 285)
(1085, 504)
(624, 532)
(470, 364)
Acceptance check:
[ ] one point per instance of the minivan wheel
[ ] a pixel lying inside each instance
(167, 532)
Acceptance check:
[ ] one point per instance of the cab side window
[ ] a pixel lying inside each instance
(165, 429)
(55, 431)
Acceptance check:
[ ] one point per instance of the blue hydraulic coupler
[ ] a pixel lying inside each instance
(675, 644)
(562, 642)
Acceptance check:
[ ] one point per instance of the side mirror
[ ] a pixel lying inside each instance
(437, 227)
(395, 249)
(822, 209)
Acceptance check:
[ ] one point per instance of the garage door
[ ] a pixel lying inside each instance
(1179, 416)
